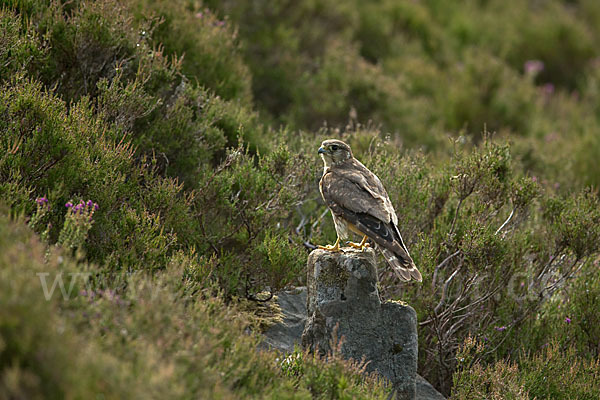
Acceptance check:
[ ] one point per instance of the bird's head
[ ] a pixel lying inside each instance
(334, 151)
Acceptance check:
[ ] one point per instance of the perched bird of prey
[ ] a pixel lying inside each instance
(359, 203)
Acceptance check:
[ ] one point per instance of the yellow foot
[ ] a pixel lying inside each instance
(358, 245)
(329, 247)
(361, 246)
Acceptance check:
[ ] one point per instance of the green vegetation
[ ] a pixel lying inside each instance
(161, 157)
(552, 373)
(160, 338)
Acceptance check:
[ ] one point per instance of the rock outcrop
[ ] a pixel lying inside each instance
(343, 300)
(343, 292)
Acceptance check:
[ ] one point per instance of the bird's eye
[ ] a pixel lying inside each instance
(334, 147)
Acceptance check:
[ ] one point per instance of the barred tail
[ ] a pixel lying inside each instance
(402, 265)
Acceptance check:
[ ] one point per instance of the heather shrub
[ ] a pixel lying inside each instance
(280, 43)
(423, 71)
(344, 91)
(557, 38)
(143, 217)
(551, 373)
(390, 28)
(181, 130)
(37, 343)
(78, 222)
(158, 337)
(208, 46)
(20, 49)
(569, 319)
(485, 92)
(96, 49)
(88, 41)
(494, 268)
(553, 32)
(247, 230)
(64, 154)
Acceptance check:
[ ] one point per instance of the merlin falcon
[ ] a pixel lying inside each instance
(359, 203)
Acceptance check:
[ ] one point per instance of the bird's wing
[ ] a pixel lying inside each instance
(356, 172)
(354, 182)
(349, 194)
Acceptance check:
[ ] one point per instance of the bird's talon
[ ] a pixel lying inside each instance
(360, 246)
(333, 248)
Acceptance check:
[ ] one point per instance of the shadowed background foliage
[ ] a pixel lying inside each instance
(194, 127)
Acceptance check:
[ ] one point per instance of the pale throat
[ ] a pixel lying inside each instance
(328, 162)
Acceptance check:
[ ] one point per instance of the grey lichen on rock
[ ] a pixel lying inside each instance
(332, 273)
(343, 300)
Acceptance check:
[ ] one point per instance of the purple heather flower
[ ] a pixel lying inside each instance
(568, 320)
(68, 204)
(500, 328)
(96, 206)
(41, 201)
(548, 89)
(532, 67)
(90, 203)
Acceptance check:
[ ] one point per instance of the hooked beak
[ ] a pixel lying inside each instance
(322, 150)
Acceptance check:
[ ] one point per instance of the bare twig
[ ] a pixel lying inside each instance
(455, 217)
(445, 291)
(441, 265)
(505, 222)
